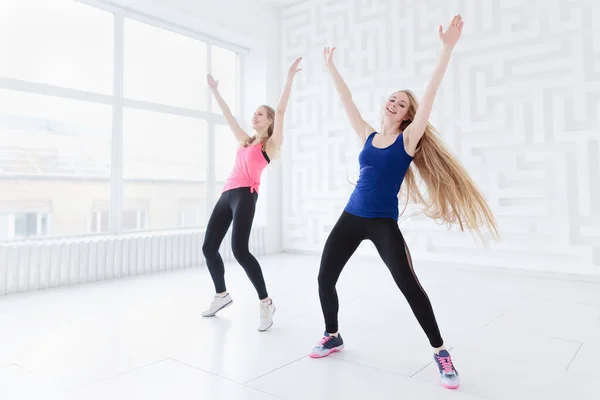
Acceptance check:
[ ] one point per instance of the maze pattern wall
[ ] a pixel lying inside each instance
(519, 105)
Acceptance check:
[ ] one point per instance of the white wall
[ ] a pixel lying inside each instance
(519, 106)
(253, 25)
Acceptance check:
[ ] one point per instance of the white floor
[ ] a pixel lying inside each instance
(143, 338)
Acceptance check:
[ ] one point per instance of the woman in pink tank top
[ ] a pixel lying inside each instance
(236, 206)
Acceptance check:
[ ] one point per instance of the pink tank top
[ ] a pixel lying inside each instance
(249, 165)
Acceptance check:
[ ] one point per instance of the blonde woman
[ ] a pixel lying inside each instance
(388, 160)
(238, 199)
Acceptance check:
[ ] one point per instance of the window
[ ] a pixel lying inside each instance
(135, 220)
(49, 136)
(19, 225)
(62, 43)
(30, 224)
(192, 214)
(6, 227)
(59, 112)
(164, 67)
(165, 161)
(55, 146)
(159, 146)
(99, 222)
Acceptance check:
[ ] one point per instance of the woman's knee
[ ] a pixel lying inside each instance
(240, 250)
(325, 280)
(209, 248)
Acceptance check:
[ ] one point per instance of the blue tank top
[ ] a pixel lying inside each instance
(381, 174)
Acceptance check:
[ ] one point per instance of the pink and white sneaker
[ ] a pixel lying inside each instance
(327, 345)
(448, 374)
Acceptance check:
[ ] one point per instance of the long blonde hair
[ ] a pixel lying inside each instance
(453, 197)
(271, 116)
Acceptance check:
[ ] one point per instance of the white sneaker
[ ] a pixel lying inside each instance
(217, 305)
(266, 315)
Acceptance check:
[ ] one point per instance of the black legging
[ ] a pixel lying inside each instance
(344, 239)
(237, 205)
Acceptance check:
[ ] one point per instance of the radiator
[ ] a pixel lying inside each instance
(37, 265)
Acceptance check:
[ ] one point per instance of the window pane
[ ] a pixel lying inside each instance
(165, 161)
(160, 146)
(130, 220)
(94, 222)
(6, 226)
(226, 146)
(164, 67)
(224, 69)
(58, 42)
(44, 135)
(104, 221)
(26, 224)
(193, 214)
(54, 157)
(44, 224)
(99, 221)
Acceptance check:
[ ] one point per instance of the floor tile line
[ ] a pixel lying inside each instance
(262, 391)
(377, 368)
(77, 387)
(366, 366)
(204, 370)
(497, 318)
(18, 366)
(565, 340)
(527, 363)
(575, 355)
(278, 368)
(222, 377)
(422, 368)
(531, 293)
(245, 384)
(429, 363)
(505, 358)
